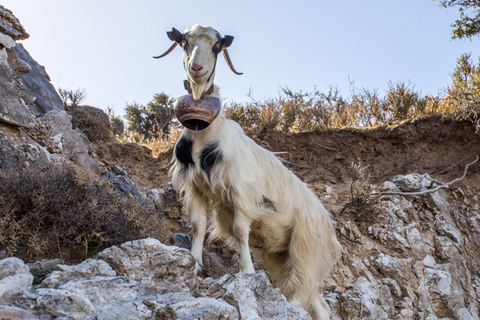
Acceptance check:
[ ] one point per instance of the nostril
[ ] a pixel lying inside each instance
(197, 67)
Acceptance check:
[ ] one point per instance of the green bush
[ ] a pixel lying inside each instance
(153, 120)
(463, 96)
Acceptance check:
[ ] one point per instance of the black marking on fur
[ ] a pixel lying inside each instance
(183, 152)
(209, 157)
(267, 203)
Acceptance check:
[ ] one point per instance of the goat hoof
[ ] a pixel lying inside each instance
(198, 267)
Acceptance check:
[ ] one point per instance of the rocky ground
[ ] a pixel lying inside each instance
(404, 257)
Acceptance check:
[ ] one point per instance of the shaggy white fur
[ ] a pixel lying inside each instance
(253, 197)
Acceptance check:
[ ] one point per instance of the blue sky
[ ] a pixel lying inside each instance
(106, 47)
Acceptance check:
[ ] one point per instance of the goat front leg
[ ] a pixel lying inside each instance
(198, 215)
(241, 230)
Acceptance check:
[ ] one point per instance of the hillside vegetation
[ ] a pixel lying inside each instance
(154, 125)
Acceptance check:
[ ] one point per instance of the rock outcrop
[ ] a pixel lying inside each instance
(34, 127)
(142, 279)
(414, 258)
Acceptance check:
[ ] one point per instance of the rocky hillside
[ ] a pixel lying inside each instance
(404, 257)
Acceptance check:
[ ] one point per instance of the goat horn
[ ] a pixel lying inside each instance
(229, 62)
(167, 52)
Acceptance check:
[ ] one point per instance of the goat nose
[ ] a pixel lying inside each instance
(197, 67)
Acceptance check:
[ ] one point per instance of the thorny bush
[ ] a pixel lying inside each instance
(63, 211)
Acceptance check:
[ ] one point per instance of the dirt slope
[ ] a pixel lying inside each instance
(433, 145)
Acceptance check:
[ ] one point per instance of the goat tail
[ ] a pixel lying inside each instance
(312, 252)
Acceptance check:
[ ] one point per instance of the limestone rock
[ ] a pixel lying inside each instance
(165, 268)
(255, 298)
(175, 306)
(54, 130)
(158, 197)
(145, 279)
(38, 81)
(10, 25)
(417, 259)
(14, 313)
(12, 108)
(15, 279)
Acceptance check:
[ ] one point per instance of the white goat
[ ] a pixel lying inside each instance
(253, 197)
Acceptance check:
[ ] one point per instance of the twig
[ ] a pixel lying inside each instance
(453, 165)
(443, 186)
(351, 240)
(326, 148)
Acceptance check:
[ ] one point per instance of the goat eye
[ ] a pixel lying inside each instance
(184, 44)
(218, 45)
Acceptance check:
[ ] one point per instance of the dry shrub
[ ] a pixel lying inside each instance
(92, 121)
(360, 188)
(300, 111)
(158, 145)
(255, 117)
(63, 211)
(362, 200)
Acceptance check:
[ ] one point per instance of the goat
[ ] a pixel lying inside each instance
(255, 200)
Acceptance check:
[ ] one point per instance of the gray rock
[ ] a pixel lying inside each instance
(416, 257)
(38, 81)
(54, 131)
(182, 240)
(12, 108)
(14, 313)
(20, 151)
(52, 303)
(85, 270)
(10, 25)
(255, 298)
(149, 280)
(158, 197)
(15, 279)
(165, 268)
(184, 306)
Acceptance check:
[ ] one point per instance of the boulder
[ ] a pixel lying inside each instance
(14, 313)
(15, 279)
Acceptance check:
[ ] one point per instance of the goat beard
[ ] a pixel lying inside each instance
(197, 89)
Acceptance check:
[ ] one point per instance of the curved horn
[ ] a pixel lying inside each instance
(229, 62)
(167, 52)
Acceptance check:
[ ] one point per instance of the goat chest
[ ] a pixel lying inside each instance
(208, 156)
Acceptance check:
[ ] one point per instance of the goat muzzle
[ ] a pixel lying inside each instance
(197, 114)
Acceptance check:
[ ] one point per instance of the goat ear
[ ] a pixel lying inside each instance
(175, 35)
(226, 41)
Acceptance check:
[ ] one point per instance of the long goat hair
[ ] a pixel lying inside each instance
(254, 199)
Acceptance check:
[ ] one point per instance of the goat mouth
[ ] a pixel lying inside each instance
(197, 114)
(196, 76)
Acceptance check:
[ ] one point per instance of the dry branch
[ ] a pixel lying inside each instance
(326, 148)
(418, 193)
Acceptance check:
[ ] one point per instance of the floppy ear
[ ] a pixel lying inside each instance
(175, 35)
(226, 41)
